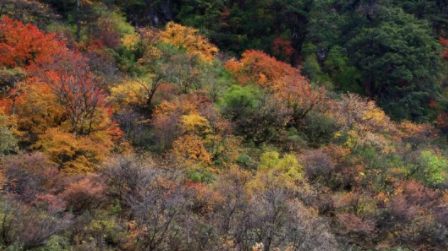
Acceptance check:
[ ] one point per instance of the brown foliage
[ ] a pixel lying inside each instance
(30, 175)
(85, 193)
(27, 226)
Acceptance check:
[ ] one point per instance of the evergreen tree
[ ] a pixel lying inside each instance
(394, 52)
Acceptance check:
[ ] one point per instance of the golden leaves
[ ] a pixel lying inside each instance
(194, 123)
(187, 37)
(74, 155)
(130, 41)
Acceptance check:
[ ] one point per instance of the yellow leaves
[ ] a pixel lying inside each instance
(40, 111)
(100, 226)
(269, 160)
(205, 138)
(130, 41)
(6, 121)
(408, 129)
(364, 124)
(375, 117)
(373, 113)
(195, 44)
(275, 173)
(194, 123)
(190, 150)
(289, 166)
(200, 144)
(149, 39)
(352, 139)
(175, 106)
(74, 155)
(128, 93)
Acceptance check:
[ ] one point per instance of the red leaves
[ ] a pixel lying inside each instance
(81, 92)
(62, 96)
(354, 224)
(283, 47)
(25, 45)
(260, 68)
(84, 193)
(279, 78)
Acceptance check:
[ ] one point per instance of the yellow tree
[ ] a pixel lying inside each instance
(363, 123)
(205, 143)
(278, 173)
(75, 154)
(189, 38)
(190, 148)
(38, 111)
(199, 136)
(136, 92)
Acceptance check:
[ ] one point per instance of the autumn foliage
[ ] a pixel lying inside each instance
(59, 96)
(188, 38)
(124, 138)
(284, 81)
(25, 45)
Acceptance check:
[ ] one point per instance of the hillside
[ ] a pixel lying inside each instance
(249, 125)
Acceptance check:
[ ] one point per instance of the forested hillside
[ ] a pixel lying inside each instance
(248, 125)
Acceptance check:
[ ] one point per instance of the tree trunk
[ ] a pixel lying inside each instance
(297, 44)
(78, 22)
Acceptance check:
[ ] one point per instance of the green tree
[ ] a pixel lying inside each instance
(435, 11)
(8, 143)
(256, 116)
(395, 54)
(236, 26)
(430, 169)
(201, 14)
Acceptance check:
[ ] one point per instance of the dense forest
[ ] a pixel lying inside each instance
(237, 125)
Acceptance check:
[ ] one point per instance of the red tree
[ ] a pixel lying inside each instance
(25, 45)
(80, 92)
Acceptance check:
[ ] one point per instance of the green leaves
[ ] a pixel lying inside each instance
(430, 168)
(390, 55)
(433, 168)
(241, 99)
(8, 142)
